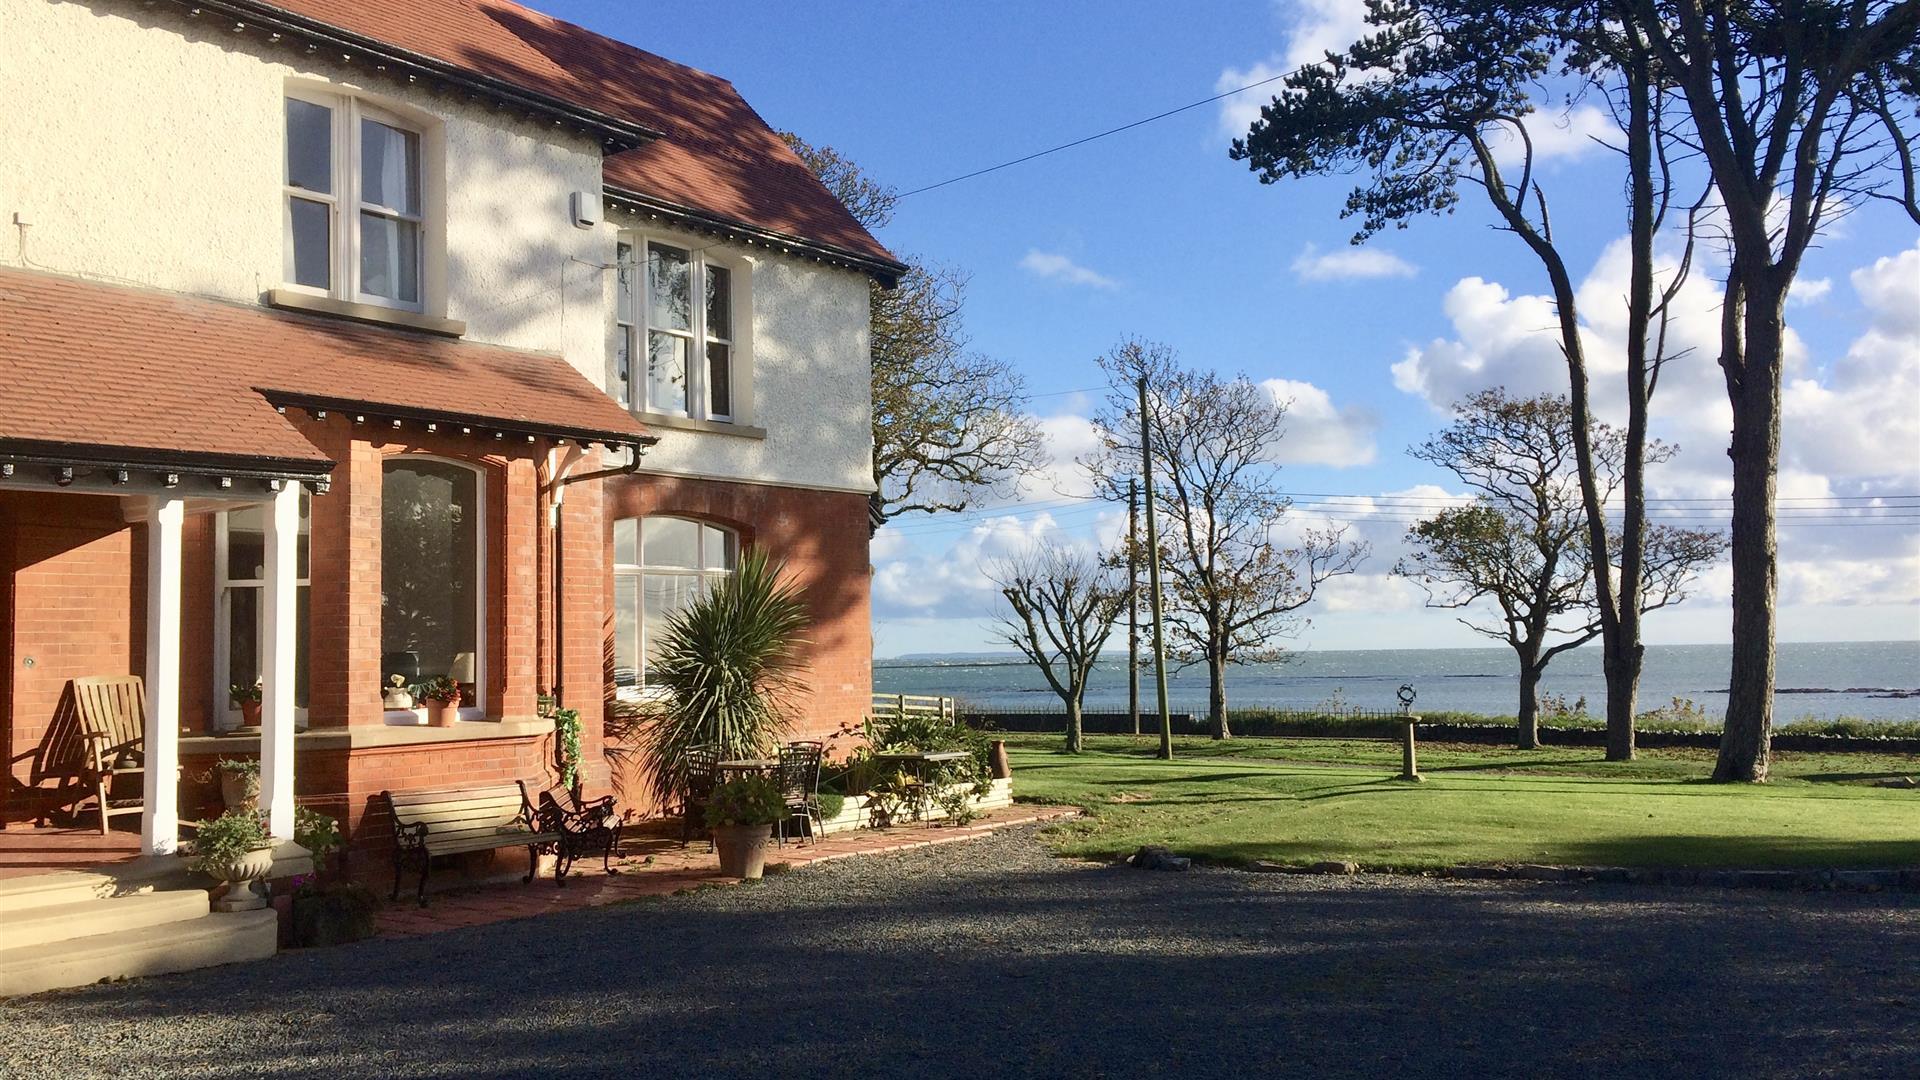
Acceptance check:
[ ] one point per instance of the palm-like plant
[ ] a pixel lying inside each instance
(726, 669)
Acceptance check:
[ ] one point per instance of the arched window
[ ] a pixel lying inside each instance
(659, 565)
(432, 595)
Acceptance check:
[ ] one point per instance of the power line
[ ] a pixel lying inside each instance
(1022, 160)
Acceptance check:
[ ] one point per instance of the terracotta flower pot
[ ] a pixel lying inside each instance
(442, 713)
(743, 849)
(249, 714)
(240, 876)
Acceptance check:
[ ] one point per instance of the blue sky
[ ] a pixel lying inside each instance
(1155, 233)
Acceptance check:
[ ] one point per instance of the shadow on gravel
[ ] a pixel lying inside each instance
(945, 963)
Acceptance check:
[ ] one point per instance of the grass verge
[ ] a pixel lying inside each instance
(1305, 800)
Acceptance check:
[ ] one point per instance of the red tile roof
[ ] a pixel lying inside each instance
(98, 370)
(717, 156)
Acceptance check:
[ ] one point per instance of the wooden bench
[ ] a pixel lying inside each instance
(451, 821)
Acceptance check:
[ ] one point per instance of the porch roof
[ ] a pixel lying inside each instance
(104, 373)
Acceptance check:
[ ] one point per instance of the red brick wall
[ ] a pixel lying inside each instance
(822, 538)
(75, 604)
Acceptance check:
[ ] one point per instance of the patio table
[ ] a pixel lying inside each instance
(745, 766)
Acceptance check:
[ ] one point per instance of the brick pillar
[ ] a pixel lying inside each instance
(343, 546)
(584, 572)
(515, 623)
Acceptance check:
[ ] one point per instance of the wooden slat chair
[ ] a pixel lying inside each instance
(451, 821)
(112, 715)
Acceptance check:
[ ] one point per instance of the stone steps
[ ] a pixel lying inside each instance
(68, 928)
(91, 918)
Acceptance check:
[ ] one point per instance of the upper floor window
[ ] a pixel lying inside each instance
(674, 339)
(355, 205)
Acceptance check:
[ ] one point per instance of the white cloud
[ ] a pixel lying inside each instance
(1558, 135)
(1349, 264)
(1314, 28)
(1810, 290)
(1317, 431)
(1849, 427)
(1056, 267)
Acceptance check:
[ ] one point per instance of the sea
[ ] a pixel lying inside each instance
(1868, 680)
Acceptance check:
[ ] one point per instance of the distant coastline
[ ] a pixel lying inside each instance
(1867, 680)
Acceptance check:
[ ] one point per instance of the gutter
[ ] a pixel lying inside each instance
(616, 133)
(886, 271)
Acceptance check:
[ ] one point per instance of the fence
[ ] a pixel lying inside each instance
(895, 706)
(1344, 723)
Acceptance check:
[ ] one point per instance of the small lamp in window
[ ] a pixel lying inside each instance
(462, 673)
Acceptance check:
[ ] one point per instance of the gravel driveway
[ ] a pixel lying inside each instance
(993, 959)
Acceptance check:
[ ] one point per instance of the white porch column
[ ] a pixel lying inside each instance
(280, 603)
(160, 825)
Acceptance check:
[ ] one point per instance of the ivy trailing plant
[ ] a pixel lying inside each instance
(566, 729)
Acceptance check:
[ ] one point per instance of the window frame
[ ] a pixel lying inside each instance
(641, 570)
(482, 580)
(345, 203)
(635, 332)
(226, 715)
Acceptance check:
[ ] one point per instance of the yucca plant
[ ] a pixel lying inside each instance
(726, 670)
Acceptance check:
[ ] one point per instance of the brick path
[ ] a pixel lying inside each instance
(658, 866)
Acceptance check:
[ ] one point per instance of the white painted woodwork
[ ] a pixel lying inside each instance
(160, 825)
(279, 638)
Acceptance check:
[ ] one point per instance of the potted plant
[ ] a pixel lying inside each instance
(741, 814)
(724, 673)
(442, 696)
(247, 696)
(239, 783)
(236, 849)
(327, 912)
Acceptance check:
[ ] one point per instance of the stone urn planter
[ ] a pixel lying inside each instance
(742, 849)
(239, 788)
(243, 875)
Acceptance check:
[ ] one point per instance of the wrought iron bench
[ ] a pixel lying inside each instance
(578, 827)
(452, 821)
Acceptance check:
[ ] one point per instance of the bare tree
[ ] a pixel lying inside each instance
(1233, 588)
(1420, 106)
(1797, 110)
(950, 426)
(1520, 544)
(1060, 607)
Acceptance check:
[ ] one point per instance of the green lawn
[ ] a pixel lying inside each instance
(1305, 800)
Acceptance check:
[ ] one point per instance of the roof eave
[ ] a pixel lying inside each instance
(617, 134)
(885, 271)
(533, 429)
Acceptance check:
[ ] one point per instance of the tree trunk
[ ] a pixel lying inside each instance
(1075, 741)
(1217, 699)
(1529, 738)
(1622, 671)
(1746, 743)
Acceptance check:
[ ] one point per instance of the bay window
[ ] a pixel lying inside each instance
(674, 355)
(240, 588)
(355, 201)
(432, 594)
(660, 565)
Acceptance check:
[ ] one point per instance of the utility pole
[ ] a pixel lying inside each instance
(1133, 602)
(1153, 579)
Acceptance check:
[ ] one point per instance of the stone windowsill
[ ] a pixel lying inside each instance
(371, 735)
(687, 423)
(295, 300)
